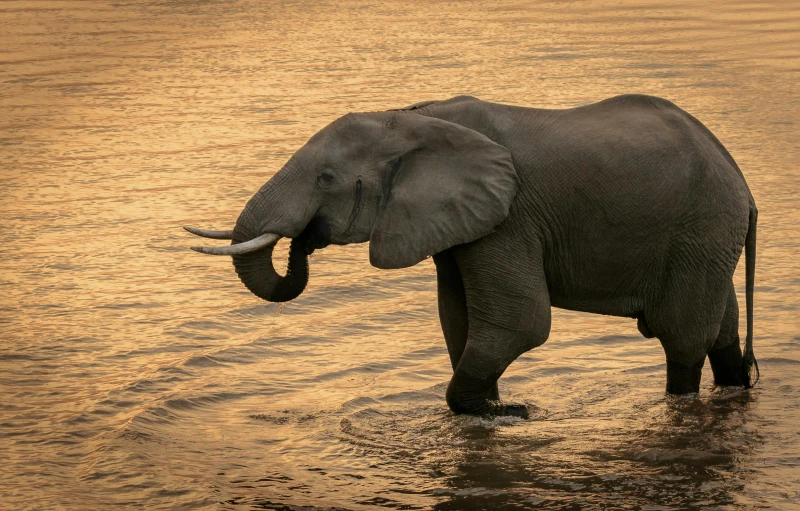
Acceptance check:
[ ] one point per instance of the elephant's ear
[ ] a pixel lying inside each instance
(453, 186)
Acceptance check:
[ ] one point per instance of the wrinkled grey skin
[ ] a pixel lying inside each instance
(628, 207)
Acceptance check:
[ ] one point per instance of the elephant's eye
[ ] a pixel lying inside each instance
(325, 178)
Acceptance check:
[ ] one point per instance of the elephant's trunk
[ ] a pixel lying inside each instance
(279, 209)
(255, 269)
(257, 273)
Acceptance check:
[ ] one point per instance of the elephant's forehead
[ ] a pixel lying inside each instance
(351, 136)
(357, 127)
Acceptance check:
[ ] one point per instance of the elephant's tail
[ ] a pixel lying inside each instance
(749, 363)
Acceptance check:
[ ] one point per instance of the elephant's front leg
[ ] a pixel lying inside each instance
(508, 309)
(453, 310)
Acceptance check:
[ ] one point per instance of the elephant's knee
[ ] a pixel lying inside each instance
(534, 333)
(538, 337)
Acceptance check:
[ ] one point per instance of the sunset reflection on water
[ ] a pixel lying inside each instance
(136, 372)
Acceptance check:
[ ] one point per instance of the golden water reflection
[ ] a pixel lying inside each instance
(135, 371)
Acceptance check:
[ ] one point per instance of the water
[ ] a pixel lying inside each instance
(135, 373)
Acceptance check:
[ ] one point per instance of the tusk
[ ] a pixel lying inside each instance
(216, 235)
(241, 248)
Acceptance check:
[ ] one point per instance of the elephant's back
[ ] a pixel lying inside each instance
(625, 186)
(636, 151)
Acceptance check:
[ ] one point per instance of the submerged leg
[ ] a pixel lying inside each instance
(508, 314)
(683, 378)
(686, 320)
(726, 354)
(470, 389)
(453, 310)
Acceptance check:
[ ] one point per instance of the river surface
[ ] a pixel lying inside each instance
(136, 373)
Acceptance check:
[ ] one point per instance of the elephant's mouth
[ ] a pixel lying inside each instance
(316, 235)
(252, 259)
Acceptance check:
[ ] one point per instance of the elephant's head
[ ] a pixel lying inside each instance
(410, 185)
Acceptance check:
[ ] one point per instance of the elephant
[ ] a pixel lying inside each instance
(626, 207)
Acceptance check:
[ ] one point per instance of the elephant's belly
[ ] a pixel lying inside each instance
(618, 287)
(628, 306)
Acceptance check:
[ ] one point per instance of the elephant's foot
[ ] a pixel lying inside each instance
(460, 403)
(494, 395)
(491, 408)
(500, 409)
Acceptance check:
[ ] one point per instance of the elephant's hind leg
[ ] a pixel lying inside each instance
(685, 350)
(687, 321)
(726, 354)
(453, 310)
(684, 378)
